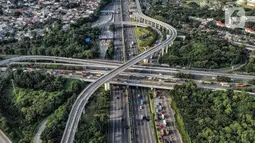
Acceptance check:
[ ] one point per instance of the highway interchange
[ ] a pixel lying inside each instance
(142, 129)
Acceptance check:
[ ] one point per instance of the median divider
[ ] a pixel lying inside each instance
(152, 115)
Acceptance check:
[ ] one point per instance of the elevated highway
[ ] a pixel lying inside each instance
(83, 97)
(106, 65)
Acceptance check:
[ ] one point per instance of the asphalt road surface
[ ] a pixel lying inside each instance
(118, 47)
(142, 129)
(118, 120)
(129, 33)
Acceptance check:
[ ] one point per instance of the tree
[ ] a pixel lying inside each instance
(112, 27)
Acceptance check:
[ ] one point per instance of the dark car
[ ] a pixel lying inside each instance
(126, 127)
(147, 118)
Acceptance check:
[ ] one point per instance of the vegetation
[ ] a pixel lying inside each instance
(112, 27)
(94, 125)
(110, 51)
(36, 96)
(250, 67)
(223, 79)
(46, 66)
(179, 123)
(252, 82)
(202, 50)
(148, 41)
(215, 116)
(183, 75)
(178, 15)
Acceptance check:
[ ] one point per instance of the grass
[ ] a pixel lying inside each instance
(144, 43)
(180, 124)
(152, 116)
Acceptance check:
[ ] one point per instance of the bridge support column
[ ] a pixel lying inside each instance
(107, 86)
(162, 52)
(166, 49)
(159, 26)
(146, 61)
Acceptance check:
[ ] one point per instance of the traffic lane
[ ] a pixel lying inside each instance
(120, 134)
(141, 125)
(145, 95)
(118, 127)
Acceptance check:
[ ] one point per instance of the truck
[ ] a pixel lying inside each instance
(240, 85)
(162, 132)
(163, 116)
(164, 122)
(98, 74)
(224, 84)
(83, 73)
(78, 72)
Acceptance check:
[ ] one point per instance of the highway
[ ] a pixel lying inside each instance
(142, 129)
(129, 34)
(105, 66)
(118, 47)
(118, 116)
(81, 101)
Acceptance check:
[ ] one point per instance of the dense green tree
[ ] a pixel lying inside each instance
(215, 116)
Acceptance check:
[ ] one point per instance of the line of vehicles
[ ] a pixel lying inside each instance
(224, 84)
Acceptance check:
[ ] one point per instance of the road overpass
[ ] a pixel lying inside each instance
(82, 99)
(136, 68)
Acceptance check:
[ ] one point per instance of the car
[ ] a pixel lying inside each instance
(117, 97)
(126, 127)
(147, 118)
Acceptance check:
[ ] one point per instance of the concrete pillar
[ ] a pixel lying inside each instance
(145, 61)
(166, 49)
(159, 26)
(107, 86)
(162, 52)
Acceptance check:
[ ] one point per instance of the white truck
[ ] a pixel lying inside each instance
(224, 84)
(164, 122)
